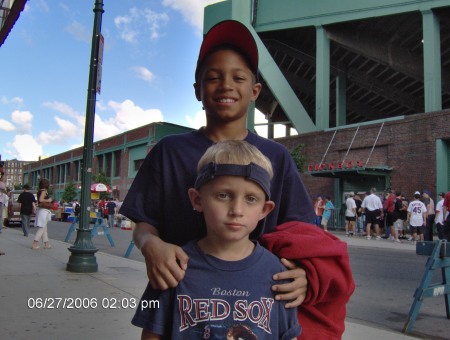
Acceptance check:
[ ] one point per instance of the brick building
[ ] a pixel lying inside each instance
(14, 172)
(407, 154)
(119, 157)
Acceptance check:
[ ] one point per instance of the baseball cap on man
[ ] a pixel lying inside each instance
(231, 33)
(417, 193)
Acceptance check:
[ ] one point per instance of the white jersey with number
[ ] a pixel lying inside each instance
(416, 208)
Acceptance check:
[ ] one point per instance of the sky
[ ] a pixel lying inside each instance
(150, 52)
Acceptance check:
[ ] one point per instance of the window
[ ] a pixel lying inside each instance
(116, 166)
(136, 156)
(99, 163)
(137, 164)
(108, 161)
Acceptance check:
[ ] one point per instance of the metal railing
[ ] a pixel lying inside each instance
(337, 220)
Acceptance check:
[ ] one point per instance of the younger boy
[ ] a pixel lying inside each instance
(226, 289)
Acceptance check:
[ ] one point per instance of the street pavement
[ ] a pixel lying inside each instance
(40, 298)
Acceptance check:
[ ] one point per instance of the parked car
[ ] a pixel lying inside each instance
(14, 218)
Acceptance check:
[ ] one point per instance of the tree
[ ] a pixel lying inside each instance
(101, 177)
(70, 192)
(299, 157)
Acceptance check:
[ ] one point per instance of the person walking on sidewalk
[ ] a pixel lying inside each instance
(43, 214)
(2, 195)
(374, 211)
(417, 217)
(2, 187)
(27, 203)
(111, 207)
(3, 204)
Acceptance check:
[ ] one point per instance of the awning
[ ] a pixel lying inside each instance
(381, 170)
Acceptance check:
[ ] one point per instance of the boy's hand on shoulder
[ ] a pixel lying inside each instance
(294, 291)
(166, 263)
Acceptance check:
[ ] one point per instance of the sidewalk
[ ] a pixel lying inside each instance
(26, 275)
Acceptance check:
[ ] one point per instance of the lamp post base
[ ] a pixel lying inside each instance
(83, 251)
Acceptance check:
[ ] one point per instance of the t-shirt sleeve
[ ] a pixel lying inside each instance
(288, 323)
(295, 202)
(144, 198)
(154, 311)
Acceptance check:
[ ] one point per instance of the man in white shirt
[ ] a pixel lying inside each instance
(428, 228)
(350, 215)
(374, 211)
(439, 220)
(417, 217)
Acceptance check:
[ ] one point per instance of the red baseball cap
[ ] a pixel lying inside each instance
(233, 33)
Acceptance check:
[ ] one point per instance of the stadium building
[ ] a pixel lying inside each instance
(365, 86)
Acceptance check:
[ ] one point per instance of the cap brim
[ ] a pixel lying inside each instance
(234, 33)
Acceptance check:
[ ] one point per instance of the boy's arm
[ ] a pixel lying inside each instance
(166, 263)
(147, 335)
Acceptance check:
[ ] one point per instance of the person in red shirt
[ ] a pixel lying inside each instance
(389, 207)
(319, 204)
(101, 205)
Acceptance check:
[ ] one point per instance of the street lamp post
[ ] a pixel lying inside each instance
(82, 258)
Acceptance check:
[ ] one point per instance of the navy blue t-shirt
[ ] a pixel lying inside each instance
(218, 298)
(159, 195)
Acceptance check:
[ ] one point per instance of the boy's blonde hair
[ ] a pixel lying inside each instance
(236, 152)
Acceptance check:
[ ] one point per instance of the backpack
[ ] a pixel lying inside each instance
(398, 205)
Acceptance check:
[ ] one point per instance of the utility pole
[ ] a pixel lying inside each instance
(82, 258)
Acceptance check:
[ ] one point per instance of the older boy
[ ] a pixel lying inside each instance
(226, 84)
(232, 193)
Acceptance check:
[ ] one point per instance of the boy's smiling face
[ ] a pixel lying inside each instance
(226, 86)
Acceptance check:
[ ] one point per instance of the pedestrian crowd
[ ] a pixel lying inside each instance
(391, 216)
